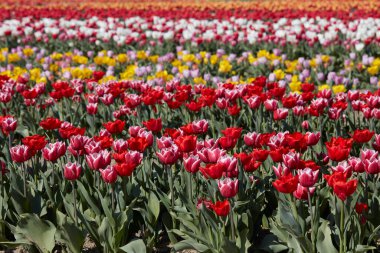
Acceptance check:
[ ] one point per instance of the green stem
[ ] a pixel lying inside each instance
(232, 223)
(311, 221)
(75, 205)
(170, 175)
(341, 228)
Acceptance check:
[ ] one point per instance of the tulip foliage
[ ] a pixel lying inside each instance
(190, 131)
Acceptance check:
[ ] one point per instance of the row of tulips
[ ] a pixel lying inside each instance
(230, 168)
(230, 30)
(266, 10)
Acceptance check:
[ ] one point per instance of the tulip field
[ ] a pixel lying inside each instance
(177, 126)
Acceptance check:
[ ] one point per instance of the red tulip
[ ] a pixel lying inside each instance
(362, 136)
(214, 171)
(138, 144)
(50, 123)
(338, 149)
(115, 127)
(154, 125)
(286, 183)
(260, 154)
(227, 142)
(228, 187)
(125, 169)
(233, 132)
(72, 171)
(186, 143)
(35, 142)
(221, 208)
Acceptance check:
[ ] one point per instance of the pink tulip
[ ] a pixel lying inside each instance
(72, 171)
(208, 155)
(228, 188)
(343, 167)
(168, 156)
(356, 164)
(281, 170)
(292, 160)
(252, 139)
(280, 114)
(134, 130)
(99, 160)
(271, 104)
(312, 138)
(120, 145)
(164, 142)
(53, 151)
(192, 163)
(92, 108)
(368, 154)
(302, 192)
(9, 124)
(307, 177)
(21, 153)
(109, 174)
(200, 126)
(92, 147)
(372, 166)
(230, 165)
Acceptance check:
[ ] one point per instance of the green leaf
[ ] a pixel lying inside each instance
(136, 246)
(154, 205)
(191, 244)
(69, 234)
(39, 232)
(364, 248)
(324, 242)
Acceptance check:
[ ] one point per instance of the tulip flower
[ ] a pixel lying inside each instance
(72, 171)
(228, 188)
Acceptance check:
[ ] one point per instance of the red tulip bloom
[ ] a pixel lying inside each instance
(154, 125)
(260, 154)
(125, 169)
(297, 141)
(286, 183)
(68, 131)
(221, 208)
(361, 208)
(233, 132)
(214, 171)
(362, 136)
(35, 142)
(343, 188)
(115, 127)
(338, 149)
(50, 123)
(186, 143)
(138, 144)
(227, 142)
